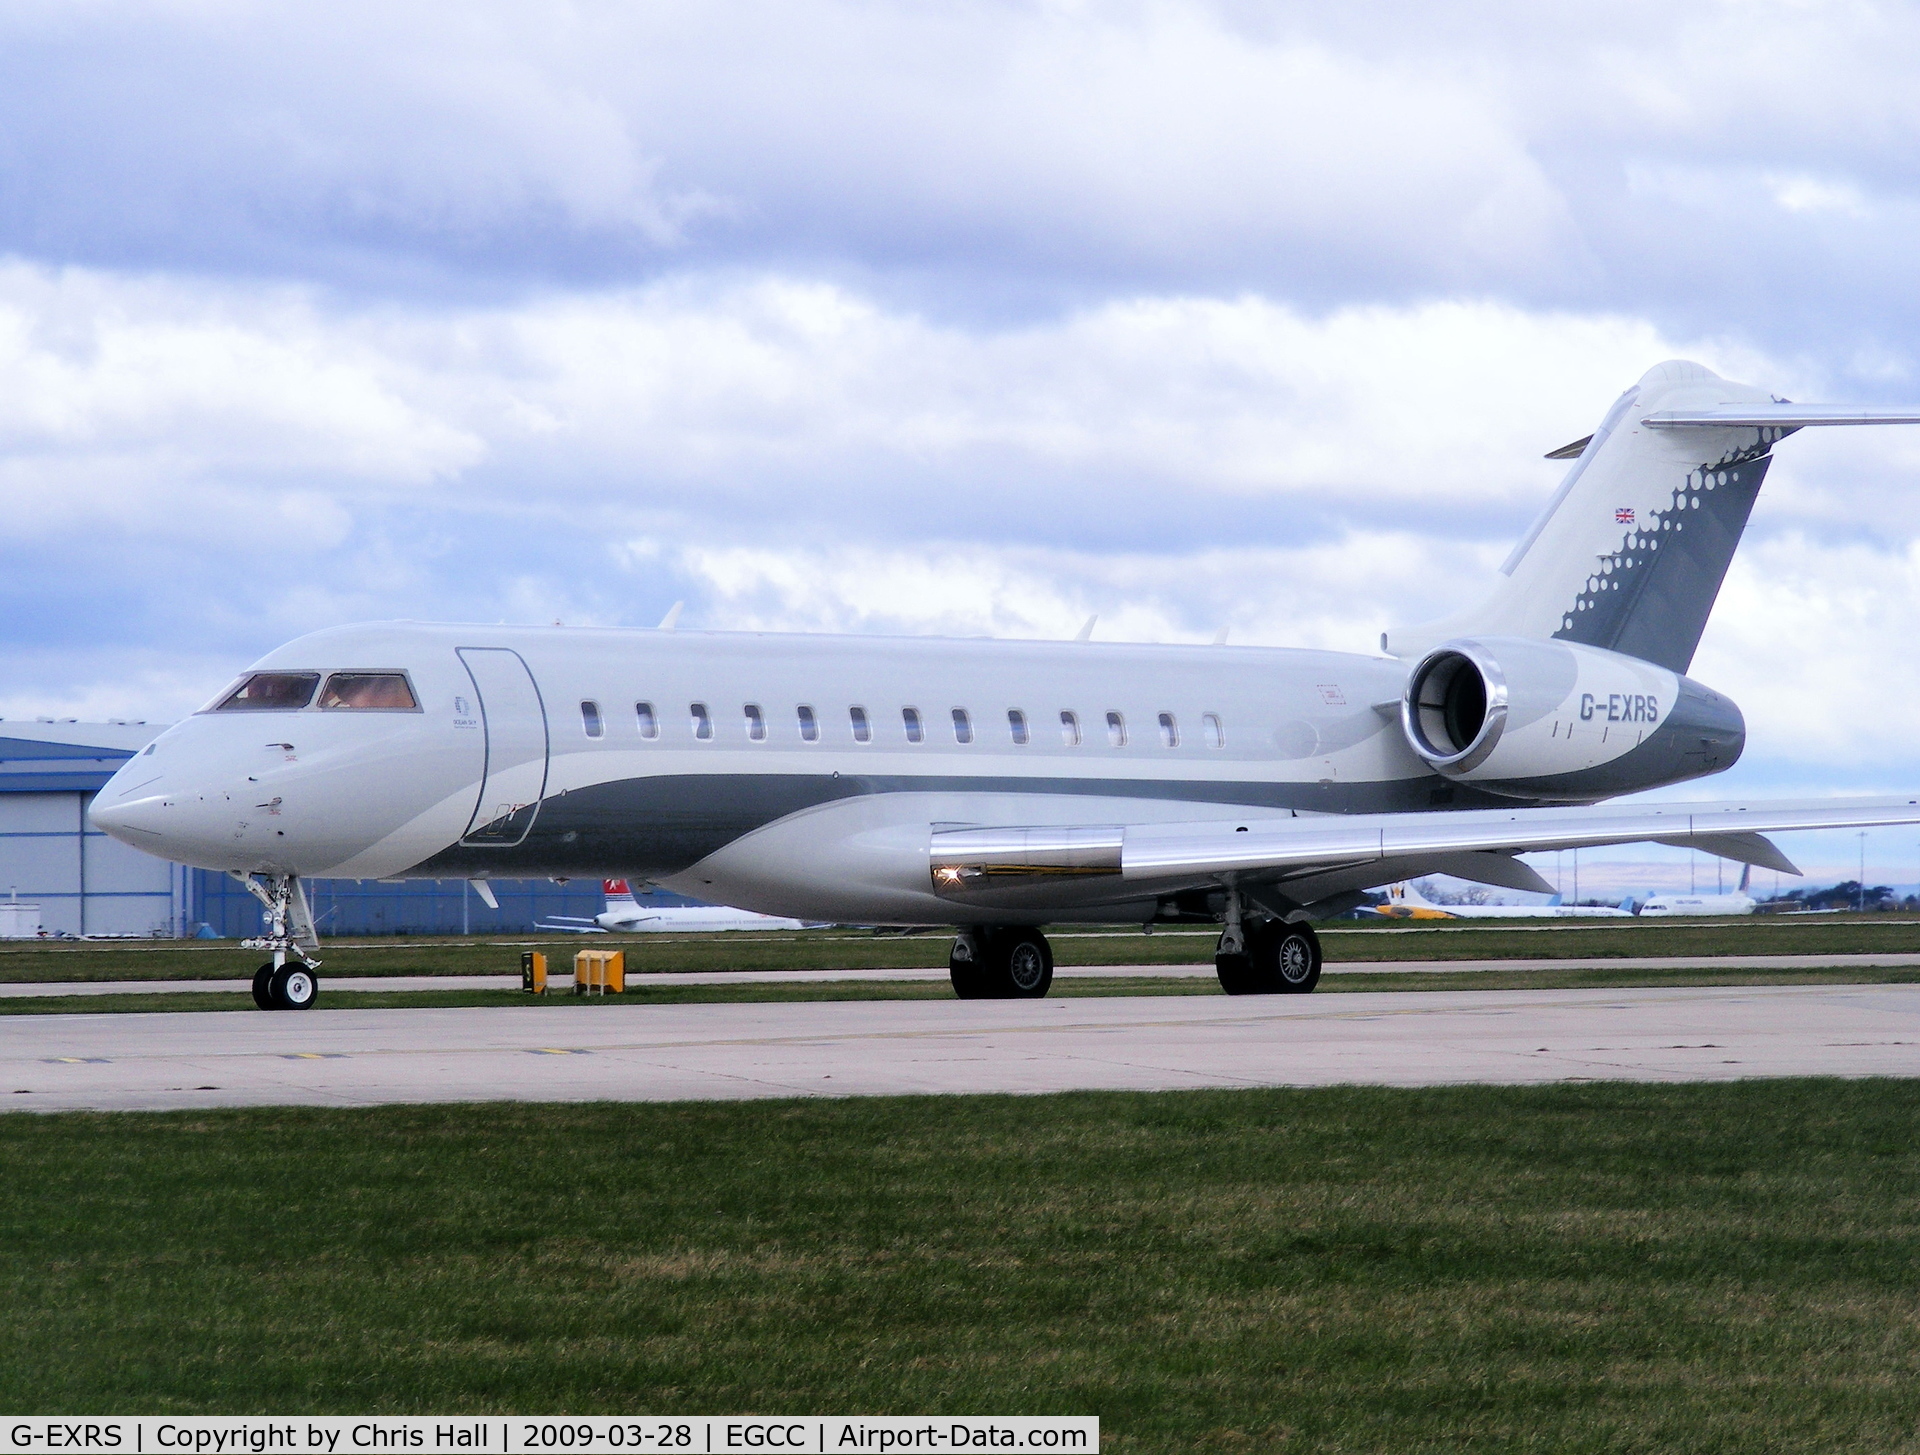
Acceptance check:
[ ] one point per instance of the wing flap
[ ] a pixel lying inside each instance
(1174, 851)
(1755, 849)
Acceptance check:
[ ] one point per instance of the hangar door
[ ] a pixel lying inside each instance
(515, 776)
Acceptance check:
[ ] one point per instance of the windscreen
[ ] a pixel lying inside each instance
(387, 691)
(270, 691)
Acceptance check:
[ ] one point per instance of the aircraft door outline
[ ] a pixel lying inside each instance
(513, 777)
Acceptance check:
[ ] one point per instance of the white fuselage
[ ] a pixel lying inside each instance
(1700, 904)
(785, 774)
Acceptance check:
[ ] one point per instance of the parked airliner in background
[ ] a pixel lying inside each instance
(998, 786)
(1405, 901)
(1739, 902)
(625, 915)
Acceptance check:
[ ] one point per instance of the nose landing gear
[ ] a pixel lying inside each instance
(287, 981)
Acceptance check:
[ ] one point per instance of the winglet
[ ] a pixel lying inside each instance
(1086, 632)
(672, 617)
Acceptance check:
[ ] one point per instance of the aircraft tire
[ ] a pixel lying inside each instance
(1235, 972)
(294, 987)
(1295, 959)
(968, 964)
(263, 987)
(1023, 965)
(1280, 959)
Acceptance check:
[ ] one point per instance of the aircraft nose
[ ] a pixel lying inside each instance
(136, 817)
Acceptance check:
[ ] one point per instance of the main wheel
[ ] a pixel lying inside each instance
(1280, 959)
(293, 987)
(968, 962)
(263, 986)
(1236, 972)
(1024, 965)
(1295, 960)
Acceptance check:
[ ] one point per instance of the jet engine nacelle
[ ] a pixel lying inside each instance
(1558, 721)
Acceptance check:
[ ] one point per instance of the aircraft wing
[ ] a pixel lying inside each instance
(1778, 415)
(1314, 860)
(1159, 851)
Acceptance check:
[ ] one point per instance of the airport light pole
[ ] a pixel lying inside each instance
(1860, 895)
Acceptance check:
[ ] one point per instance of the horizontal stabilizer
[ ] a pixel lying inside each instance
(1748, 849)
(1779, 416)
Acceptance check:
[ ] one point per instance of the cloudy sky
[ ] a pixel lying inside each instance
(935, 318)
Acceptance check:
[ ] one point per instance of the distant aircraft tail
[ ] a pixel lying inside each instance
(1630, 552)
(617, 892)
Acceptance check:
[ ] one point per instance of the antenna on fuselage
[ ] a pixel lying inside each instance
(1086, 632)
(668, 622)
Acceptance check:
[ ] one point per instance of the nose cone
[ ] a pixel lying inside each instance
(133, 808)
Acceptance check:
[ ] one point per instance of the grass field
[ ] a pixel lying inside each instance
(843, 949)
(1596, 1268)
(764, 992)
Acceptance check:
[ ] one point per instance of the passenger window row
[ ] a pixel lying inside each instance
(754, 720)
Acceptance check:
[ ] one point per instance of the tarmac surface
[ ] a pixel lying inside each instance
(575, 1052)
(1097, 972)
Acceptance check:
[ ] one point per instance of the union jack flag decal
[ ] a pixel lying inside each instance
(1623, 516)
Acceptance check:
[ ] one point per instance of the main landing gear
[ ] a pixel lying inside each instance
(287, 981)
(1001, 963)
(1265, 956)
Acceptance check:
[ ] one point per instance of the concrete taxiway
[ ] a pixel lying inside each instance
(653, 1053)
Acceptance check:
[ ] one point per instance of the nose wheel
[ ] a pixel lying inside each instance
(285, 987)
(287, 981)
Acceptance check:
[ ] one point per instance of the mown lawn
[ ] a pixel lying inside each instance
(1703, 1268)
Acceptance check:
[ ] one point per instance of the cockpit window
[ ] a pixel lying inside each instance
(375, 691)
(270, 692)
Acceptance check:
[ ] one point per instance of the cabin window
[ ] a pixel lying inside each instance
(1211, 730)
(962, 726)
(910, 720)
(1116, 730)
(590, 719)
(756, 722)
(268, 691)
(862, 729)
(1017, 726)
(809, 726)
(649, 724)
(702, 722)
(369, 691)
(1169, 731)
(1070, 729)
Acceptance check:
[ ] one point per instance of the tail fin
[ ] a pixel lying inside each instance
(1746, 873)
(1631, 550)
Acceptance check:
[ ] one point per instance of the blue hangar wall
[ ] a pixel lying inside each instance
(88, 884)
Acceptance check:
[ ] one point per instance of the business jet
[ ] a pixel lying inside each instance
(1405, 901)
(1739, 902)
(625, 915)
(996, 786)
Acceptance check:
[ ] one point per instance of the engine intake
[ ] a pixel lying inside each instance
(1556, 721)
(1455, 709)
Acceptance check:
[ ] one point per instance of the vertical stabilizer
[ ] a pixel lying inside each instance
(1631, 550)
